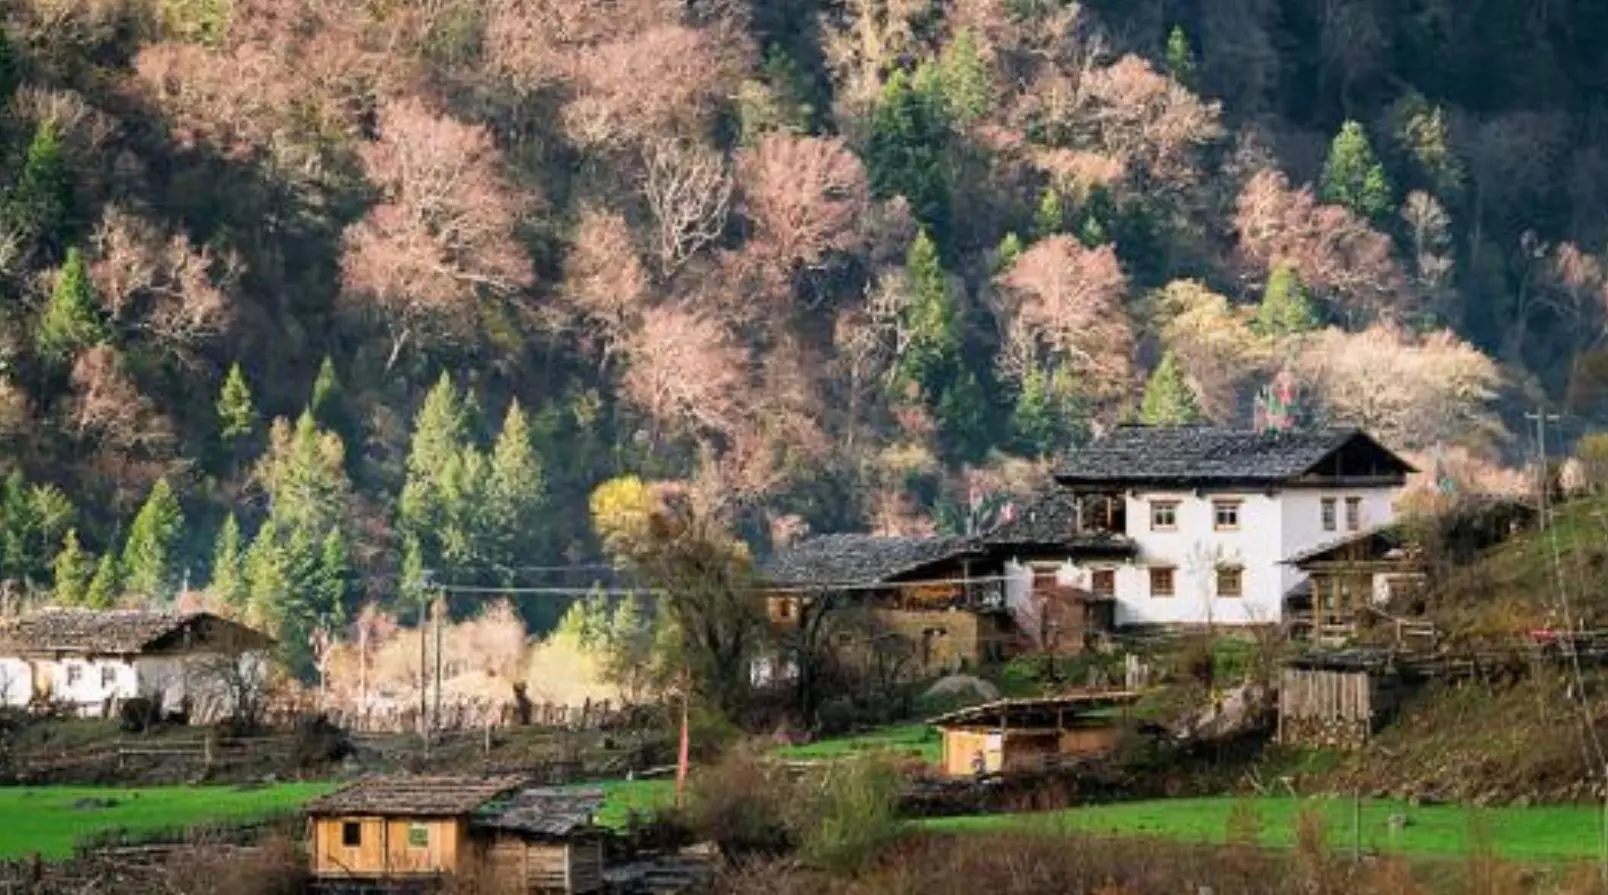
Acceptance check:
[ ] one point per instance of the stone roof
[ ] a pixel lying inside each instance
(1203, 454)
(859, 559)
(103, 632)
(1050, 520)
(544, 812)
(1384, 542)
(414, 796)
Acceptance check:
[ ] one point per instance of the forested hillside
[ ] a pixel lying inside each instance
(302, 294)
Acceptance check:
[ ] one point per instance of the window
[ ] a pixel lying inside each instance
(1329, 515)
(418, 836)
(1161, 582)
(1105, 582)
(1353, 513)
(1163, 515)
(108, 677)
(75, 673)
(1225, 515)
(351, 834)
(784, 608)
(1230, 581)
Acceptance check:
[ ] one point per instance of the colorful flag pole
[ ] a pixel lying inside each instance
(681, 758)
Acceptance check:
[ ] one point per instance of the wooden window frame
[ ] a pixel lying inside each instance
(1330, 514)
(351, 834)
(418, 835)
(1095, 577)
(75, 673)
(1170, 507)
(108, 677)
(1238, 591)
(1353, 514)
(1223, 504)
(1171, 574)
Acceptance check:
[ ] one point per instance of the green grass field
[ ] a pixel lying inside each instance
(1527, 834)
(51, 820)
(913, 740)
(621, 797)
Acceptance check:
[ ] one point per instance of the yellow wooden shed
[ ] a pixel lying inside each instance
(1012, 735)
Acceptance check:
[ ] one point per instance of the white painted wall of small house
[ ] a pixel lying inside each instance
(89, 682)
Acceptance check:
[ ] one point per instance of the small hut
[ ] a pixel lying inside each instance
(1010, 735)
(1336, 699)
(542, 840)
(407, 833)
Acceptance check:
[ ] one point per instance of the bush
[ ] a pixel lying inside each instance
(136, 715)
(741, 805)
(852, 817)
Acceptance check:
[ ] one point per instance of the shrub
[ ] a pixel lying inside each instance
(136, 715)
(740, 804)
(852, 817)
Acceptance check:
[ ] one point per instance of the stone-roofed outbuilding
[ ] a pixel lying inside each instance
(852, 560)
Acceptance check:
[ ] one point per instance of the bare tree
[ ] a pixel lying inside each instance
(806, 197)
(686, 371)
(689, 190)
(443, 236)
(1066, 301)
(603, 279)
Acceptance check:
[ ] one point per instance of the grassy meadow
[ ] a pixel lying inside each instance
(51, 820)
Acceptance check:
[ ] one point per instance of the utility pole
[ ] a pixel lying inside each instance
(1543, 473)
(440, 610)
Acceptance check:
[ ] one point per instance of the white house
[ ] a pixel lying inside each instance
(1211, 517)
(93, 660)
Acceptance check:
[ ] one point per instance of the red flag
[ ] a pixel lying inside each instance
(681, 759)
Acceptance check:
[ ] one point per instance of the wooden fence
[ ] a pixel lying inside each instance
(458, 715)
(1330, 707)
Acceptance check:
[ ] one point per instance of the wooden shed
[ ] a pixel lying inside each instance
(541, 840)
(1336, 699)
(394, 831)
(1011, 735)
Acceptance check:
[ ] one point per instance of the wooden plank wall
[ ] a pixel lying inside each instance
(1326, 708)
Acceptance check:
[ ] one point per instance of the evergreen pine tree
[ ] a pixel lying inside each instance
(105, 587)
(18, 527)
(1352, 175)
(966, 82)
(1285, 309)
(266, 579)
(1093, 230)
(413, 593)
(1181, 58)
(326, 389)
(73, 571)
(904, 155)
(38, 205)
(1168, 399)
(304, 474)
(228, 575)
(932, 350)
(440, 437)
(1010, 248)
(1050, 218)
(236, 415)
(147, 556)
(516, 488)
(71, 321)
(8, 67)
(334, 576)
(1049, 416)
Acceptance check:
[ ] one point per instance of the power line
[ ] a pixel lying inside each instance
(762, 589)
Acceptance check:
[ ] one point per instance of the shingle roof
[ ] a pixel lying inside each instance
(551, 813)
(1205, 454)
(414, 796)
(1051, 520)
(1372, 544)
(112, 631)
(856, 559)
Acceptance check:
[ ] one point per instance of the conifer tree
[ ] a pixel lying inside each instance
(1010, 248)
(71, 321)
(8, 67)
(266, 578)
(18, 527)
(326, 388)
(435, 468)
(966, 82)
(1352, 175)
(904, 156)
(38, 205)
(1050, 218)
(228, 579)
(932, 350)
(304, 474)
(1168, 399)
(1048, 417)
(1181, 58)
(147, 556)
(334, 574)
(236, 415)
(516, 489)
(106, 586)
(1285, 310)
(73, 570)
(412, 585)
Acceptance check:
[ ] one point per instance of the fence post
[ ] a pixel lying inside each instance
(488, 739)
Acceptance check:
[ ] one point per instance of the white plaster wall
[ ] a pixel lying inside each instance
(1303, 520)
(16, 682)
(99, 679)
(1194, 549)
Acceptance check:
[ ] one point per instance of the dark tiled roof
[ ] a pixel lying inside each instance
(1051, 520)
(856, 559)
(1205, 454)
(414, 796)
(113, 631)
(1372, 544)
(548, 813)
